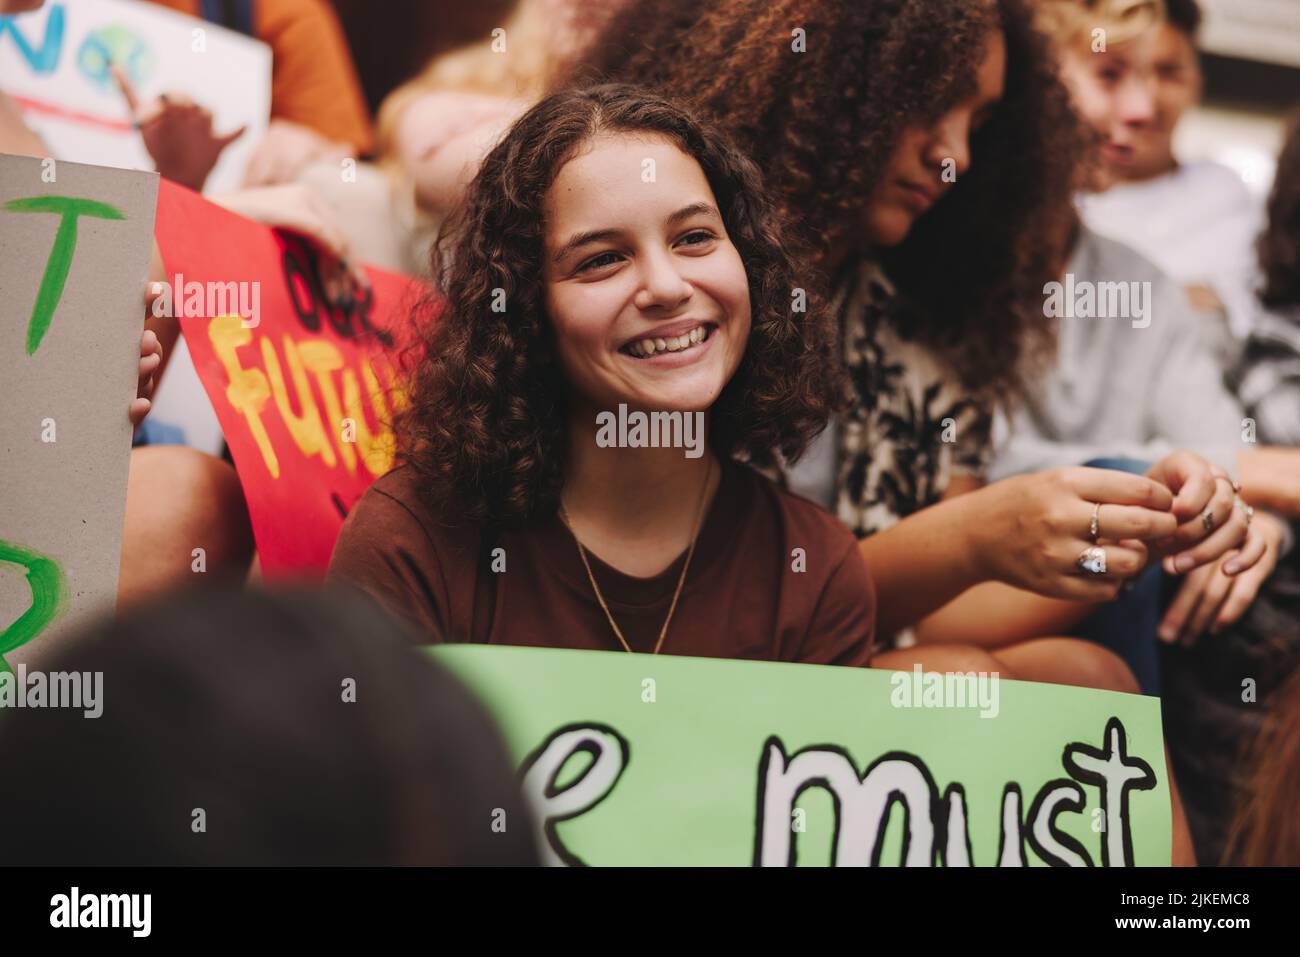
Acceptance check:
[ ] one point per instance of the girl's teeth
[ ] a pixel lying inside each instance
(650, 347)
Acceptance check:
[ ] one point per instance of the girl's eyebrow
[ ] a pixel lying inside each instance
(584, 239)
(694, 209)
(600, 235)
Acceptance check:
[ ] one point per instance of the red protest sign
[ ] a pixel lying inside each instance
(304, 389)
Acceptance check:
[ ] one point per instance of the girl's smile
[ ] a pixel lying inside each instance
(686, 340)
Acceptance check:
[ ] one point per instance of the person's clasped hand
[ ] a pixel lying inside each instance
(1215, 596)
(1225, 549)
(1035, 531)
(1210, 519)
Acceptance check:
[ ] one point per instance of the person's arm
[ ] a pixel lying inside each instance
(1270, 478)
(993, 614)
(921, 563)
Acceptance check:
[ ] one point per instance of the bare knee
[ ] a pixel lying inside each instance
(941, 658)
(185, 513)
(1101, 668)
(1070, 661)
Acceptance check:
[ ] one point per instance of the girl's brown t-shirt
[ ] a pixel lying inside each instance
(774, 577)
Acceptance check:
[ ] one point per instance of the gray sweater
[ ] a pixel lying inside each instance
(1137, 385)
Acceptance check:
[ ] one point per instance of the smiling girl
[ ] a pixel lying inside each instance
(614, 251)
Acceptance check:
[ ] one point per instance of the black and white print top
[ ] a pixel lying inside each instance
(912, 425)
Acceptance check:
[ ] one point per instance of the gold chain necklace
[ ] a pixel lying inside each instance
(681, 579)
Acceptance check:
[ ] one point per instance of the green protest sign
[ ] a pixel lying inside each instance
(641, 760)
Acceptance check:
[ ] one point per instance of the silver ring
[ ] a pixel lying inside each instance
(1092, 560)
(1094, 528)
(1247, 510)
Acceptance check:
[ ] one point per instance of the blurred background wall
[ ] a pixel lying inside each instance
(1252, 84)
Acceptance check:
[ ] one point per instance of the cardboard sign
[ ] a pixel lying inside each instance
(660, 760)
(55, 62)
(74, 257)
(304, 390)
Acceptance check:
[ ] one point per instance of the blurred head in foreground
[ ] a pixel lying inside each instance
(243, 728)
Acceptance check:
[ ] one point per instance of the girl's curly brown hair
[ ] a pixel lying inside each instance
(1279, 246)
(823, 125)
(485, 428)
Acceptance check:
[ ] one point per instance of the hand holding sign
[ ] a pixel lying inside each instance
(150, 361)
(300, 209)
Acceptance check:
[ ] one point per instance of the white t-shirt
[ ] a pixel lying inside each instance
(1198, 223)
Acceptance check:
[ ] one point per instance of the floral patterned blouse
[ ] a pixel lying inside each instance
(912, 427)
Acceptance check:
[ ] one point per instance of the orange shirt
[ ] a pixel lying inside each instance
(313, 80)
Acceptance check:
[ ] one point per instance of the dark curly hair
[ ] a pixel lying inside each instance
(485, 427)
(824, 123)
(1279, 246)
